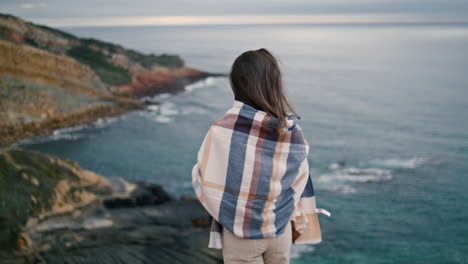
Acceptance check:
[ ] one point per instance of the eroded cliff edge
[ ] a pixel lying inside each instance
(50, 79)
(53, 211)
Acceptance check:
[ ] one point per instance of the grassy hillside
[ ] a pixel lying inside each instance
(99, 55)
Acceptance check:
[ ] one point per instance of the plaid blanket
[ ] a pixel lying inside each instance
(253, 180)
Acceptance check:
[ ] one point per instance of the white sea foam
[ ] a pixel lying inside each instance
(343, 179)
(103, 122)
(157, 97)
(189, 110)
(356, 175)
(298, 250)
(120, 186)
(336, 165)
(73, 132)
(167, 111)
(345, 189)
(70, 133)
(67, 137)
(339, 178)
(153, 108)
(202, 83)
(69, 129)
(163, 119)
(59, 134)
(167, 108)
(87, 223)
(411, 163)
(92, 223)
(49, 225)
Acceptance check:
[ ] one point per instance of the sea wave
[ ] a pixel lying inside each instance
(410, 163)
(167, 111)
(105, 121)
(356, 175)
(203, 83)
(86, 223)
(344, 180)
(339, 177)
(68, 133)
(297, 250)
(73, 132)
(92, 223)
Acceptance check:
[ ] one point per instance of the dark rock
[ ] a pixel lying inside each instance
(145, 225)
(150, 102)
(152, 234)
(144, 194)
(179, 213)
(119, 202)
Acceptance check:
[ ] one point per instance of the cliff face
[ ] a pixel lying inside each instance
(38, 84)
(114, 64)
(20, 31)
(46, 201)
(36, 186)
(41, 91)
(49, 77)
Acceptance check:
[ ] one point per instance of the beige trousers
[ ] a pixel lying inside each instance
(272, 250)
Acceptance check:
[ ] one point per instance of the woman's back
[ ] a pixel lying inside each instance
(252, 173)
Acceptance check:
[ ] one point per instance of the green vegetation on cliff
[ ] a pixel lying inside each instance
(51, 79)
(97, 54)
(163, 59)
(147, 61)
(109, 73)
(27, 182)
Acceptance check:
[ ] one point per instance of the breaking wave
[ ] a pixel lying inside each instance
(400, 163)
(339, 177)
(299, 249)
(203, 83)
(73, 132)
(350, 175)
(166, 112)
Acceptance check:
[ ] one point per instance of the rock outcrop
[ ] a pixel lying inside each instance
(53, 211)
(35, 187)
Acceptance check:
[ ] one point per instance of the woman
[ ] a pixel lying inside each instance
(252, 173)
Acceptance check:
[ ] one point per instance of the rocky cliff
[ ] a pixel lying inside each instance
(53, 211)
(51, 79)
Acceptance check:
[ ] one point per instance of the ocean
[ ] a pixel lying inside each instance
(384, 108)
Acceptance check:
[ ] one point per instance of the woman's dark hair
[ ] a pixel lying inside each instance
(256, 80)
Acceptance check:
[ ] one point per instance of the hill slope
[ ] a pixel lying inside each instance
(51, 79)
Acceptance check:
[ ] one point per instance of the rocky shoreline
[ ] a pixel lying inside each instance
(53, 211)
(50, 79)
(13, 132)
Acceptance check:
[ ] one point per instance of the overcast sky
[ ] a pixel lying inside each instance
(146, 12)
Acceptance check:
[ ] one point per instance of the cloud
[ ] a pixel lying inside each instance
(30, 5)
(27, 6)
(110, 9)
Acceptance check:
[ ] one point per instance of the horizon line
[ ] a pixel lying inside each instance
(238, 20)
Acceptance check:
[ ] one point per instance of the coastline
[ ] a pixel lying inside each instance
(54, 211)
(13, 132)
(50, 79)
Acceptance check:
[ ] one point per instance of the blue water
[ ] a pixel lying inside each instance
(384, 108)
